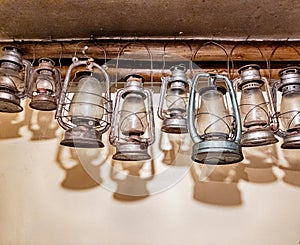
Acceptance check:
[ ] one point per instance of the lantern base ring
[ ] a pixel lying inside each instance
(9, 102)
(175, 126)
(132, 151)
(43, 102)
(82, 137)
(291, 141)
(217, 152)
(258, 137)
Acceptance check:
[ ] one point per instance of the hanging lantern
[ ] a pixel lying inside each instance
(132, 129)
(289, 115)
(13, 73)
(173, 101)
(216, 133)
(257, 113)
(84, 108)
(44, 86)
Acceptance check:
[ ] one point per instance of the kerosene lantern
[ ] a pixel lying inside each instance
(257, 111)
(289, 114)
(173, 101)
(44, 86)
(84, 108)
(132, 129)
(215, 131)
(13, 73)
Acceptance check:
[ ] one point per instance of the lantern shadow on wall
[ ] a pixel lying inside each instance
(217, 185)
(288, 163)
(175, 149)
(42, 125)
(258, 165)
(81, 166)
(130, 179)
(12, 123)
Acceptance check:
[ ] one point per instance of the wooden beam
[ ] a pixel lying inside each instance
(125, 57)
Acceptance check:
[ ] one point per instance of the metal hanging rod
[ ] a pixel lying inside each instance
(151, 38)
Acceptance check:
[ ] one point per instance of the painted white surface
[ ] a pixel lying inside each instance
(35, 207)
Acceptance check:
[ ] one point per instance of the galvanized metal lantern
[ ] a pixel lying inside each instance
(132, 129)
(84, 108)
(44, 86)
(289, 114)
(13, 73)
(173, 101)
(257, 112)
(215, 131)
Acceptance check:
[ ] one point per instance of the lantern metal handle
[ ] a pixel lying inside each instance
(151, 139)
(191, 113)
(112, 139)
(279, 131)
(149, 55)
(27, 73)
(275, 124)
(164, 82)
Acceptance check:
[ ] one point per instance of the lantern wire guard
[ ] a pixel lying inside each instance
(174, 95)
(173, 100)
(44, 85)
(288, 114)
(214, 147)
(257, 113)
(14, 72)
(84, 108)
(259, 122)
(132, 129)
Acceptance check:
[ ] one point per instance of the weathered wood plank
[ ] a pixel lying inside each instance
(136, 56)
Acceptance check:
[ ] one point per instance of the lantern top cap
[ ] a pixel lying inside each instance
(135, 77)
(212, 88)
(13, 48)
(249, 67)
(180, 67)
(249, 73)
(85, 74)
(46, 60)
(290, 70)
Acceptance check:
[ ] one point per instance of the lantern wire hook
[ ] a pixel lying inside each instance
(150, 57)
(228, 58)
(164, 57)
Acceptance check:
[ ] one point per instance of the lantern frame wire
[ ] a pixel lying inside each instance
(11, 96)
(215, 151)
(65, 101)
(257, 135)
(173, 124)
(34, 74)
(132, 148)
(129, 149)
(291, 139)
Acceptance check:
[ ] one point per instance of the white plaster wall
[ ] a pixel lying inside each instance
(42, 202)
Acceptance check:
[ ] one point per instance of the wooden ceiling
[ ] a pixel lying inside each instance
(206, 32)
(204, 19)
